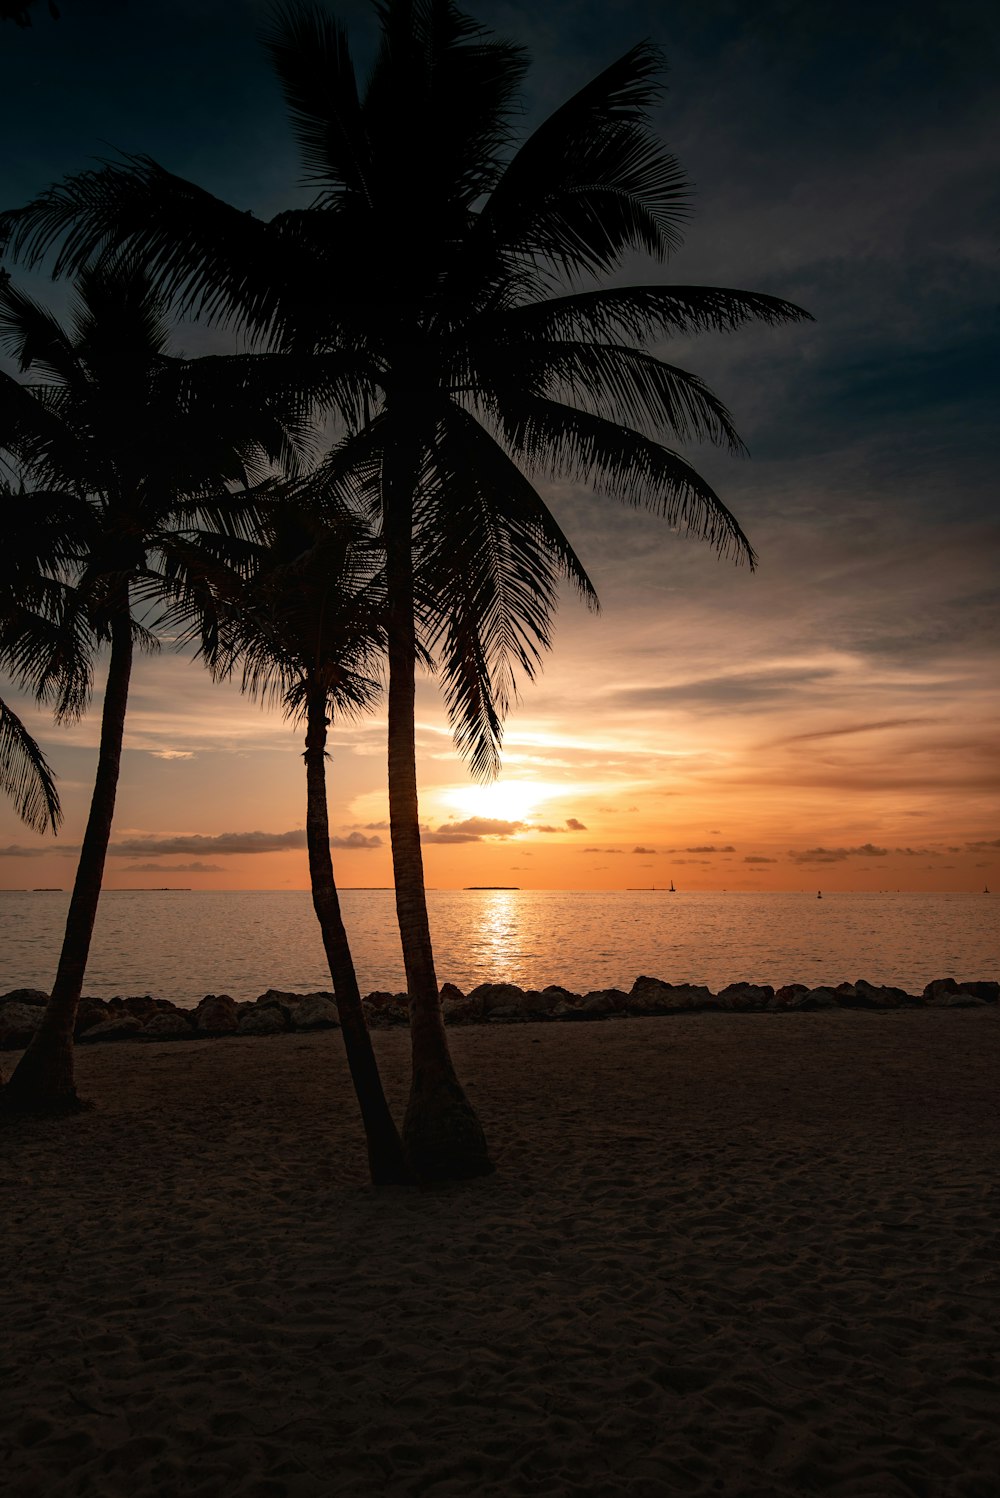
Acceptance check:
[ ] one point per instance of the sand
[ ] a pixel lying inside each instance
(722, 1255)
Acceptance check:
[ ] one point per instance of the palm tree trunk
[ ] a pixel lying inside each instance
(443, 1137)
(43, 1080)
(386, 1159)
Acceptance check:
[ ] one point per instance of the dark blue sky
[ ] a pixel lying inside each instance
(844, 155)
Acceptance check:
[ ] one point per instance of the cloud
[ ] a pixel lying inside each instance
(836, 855)
(477, 827)
(15, 850)
(376, 826)
(981, 847)
(445, 835)
(837, 733)
(223, 843)
(355, 840)
(574, 825)
(602, 850)
(541, 827)
(174, 868)
(711, 848)
(758, 858)
(725, 693)
(641, 849)
(172, 753)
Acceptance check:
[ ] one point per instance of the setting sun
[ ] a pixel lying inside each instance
(505, 800)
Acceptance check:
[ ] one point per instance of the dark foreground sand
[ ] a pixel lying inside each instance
(723, 1255)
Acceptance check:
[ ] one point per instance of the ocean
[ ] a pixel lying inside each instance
(183, 944)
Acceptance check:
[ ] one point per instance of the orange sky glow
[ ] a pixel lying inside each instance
(687, 733)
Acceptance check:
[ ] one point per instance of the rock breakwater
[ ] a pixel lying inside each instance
(143, 1017)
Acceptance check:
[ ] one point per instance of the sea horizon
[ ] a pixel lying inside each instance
(242, 942)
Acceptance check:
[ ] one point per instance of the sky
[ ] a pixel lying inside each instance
(829, 720)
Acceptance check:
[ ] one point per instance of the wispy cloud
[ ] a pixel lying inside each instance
(836, 855)
(174, 868)
(223, 842)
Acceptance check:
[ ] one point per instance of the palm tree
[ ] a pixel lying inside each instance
(306, 630)
(137, 445)
(471, 275)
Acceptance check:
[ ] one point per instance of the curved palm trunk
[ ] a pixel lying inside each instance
(43, 1080)
(444, 1138)
(385, 1148)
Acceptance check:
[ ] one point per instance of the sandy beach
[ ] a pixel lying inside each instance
(723, 1255)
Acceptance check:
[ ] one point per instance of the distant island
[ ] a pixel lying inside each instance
(492, 886)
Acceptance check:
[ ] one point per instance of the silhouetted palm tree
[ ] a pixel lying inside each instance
(137, 445)
(468, 274)
(306, 629)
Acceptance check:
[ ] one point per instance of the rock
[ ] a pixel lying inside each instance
(864, 995)
(266, 1019)
(941, 988)
(458, 1011)
(380, 999)
(783, 996)
(815, 998)
(279, 998)
(399, 1009)
(505, 1014)
(537, 1003)
(489, 996)
(383, 1009)
(119, 1027)
(984, 989)
(165, 1025)
(556, 995)
(451, 994)
(216, 1015)
(376, 1016)
(746, 996)
(315, 1011)
(960, 1000)
(651, 996)
(143, 1007)
(602, 1001)
(33, 996)
(598, 1004)
(18, 1023)
(91, 1012)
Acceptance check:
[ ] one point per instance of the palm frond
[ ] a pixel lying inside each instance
(311, 55)
(488, 559)
(567, 443)
(643, 312)
(621, 384)
(25, 776)
(593, 181)
(33, 338)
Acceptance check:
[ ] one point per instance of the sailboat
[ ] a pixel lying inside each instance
(819, 894)
(671, 890)
(986, 889)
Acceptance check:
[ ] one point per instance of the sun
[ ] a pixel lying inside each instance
(502, 800)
